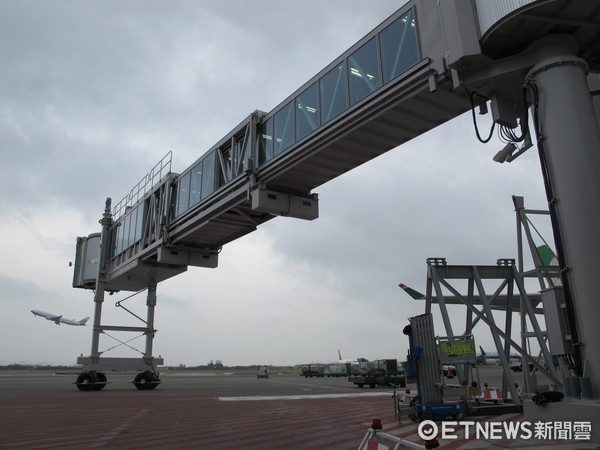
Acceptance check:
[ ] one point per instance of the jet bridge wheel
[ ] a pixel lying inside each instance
(85, 381)
(91, 381)
(100, 382)
(145, 381)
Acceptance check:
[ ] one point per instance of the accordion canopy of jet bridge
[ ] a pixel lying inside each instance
(385, 90)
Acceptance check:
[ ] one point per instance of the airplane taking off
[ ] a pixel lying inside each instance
(59, 319)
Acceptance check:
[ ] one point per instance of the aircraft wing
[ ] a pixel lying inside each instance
(45, 315)
(58, 319)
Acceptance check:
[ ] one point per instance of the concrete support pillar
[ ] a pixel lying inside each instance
(570, 142)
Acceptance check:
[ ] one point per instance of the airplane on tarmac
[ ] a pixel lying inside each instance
(350, 361)
(59, 319)
(493, 358)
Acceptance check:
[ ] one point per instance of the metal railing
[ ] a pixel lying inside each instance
(145, 185)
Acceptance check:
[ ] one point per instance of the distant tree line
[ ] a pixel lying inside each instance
(218, 365)
(36, 367)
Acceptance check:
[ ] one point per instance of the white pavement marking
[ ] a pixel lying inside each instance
(295, 383)
(301, 397)
(103, 440)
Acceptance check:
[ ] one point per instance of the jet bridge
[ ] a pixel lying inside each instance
(424, 65)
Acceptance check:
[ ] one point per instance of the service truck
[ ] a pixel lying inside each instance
(382, 372)
(336, 370)
(312, 370)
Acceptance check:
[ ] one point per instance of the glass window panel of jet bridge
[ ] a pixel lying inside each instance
(363, 71)
(173, 201)
(139, 212)
(265, 141)
(284, 128)
(183, 194)
(195, 184)
(238, 157)
(208, 175)
(332, 86)
(119, 239)
(227, 162)
(307, 112)
(126, 225)
(398, 46)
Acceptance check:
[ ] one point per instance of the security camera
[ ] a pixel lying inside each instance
(505, 153)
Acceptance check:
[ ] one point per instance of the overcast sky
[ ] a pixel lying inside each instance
(94, 93)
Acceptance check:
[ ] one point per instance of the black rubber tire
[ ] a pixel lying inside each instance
(146, 381)
(85, 381)
(100, 382)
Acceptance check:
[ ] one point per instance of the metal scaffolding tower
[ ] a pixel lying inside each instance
(509, 295)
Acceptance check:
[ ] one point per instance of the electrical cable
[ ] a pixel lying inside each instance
(471, 95)
(508, 134)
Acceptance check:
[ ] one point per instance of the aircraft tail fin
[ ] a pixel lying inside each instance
(83, 321)
(547, 256)
(410, 291)
(339, 355)
(482, 350)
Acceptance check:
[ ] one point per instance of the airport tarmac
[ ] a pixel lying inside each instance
(192, 410)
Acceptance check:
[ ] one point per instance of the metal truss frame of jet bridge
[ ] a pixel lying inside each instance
(424, 65)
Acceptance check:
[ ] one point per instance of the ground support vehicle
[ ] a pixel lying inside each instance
(262, 372)
(378, 377)
(336, 370)
(313, 370)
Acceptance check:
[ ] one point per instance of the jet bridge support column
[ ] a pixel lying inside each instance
(151, 304)
(569, 146)
(94, 366)
(90, 379)
(106, 222)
